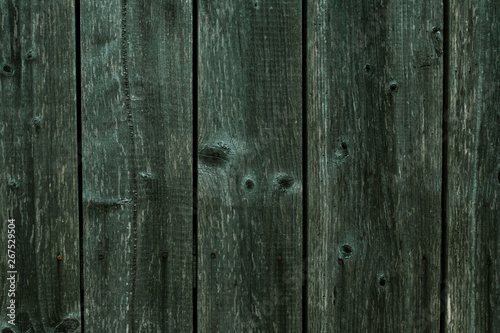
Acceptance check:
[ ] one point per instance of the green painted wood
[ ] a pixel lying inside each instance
(249, 166)
(374, 105)
(137, 165)
(38, 164)
(473, 277)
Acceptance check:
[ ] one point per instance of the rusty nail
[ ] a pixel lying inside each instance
(59, 257)
(212, 256)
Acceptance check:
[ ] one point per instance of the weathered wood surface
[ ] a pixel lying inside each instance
(250, 166)
(472, 278)
(38, 164)
(374, 105)
(377, 77)
(137, 165)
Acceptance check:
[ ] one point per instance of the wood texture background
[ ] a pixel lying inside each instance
(374, 91)
(38, 164)
(260, 166)
(472, 279)
(250, 166)
(137, 165)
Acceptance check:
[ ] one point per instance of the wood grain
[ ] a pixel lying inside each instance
(374, 106)
(379, 75)
(38, 164)
(472, 276)
(250, 166)
(137, 165)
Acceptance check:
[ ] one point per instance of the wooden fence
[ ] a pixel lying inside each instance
(250, 166)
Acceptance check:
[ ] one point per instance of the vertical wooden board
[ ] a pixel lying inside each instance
(250, 166)
(374, 105)
(137, 165)
(38, 165)
(473, 194)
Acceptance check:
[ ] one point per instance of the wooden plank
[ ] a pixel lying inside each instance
(473, 206)
(137, 165)
(374, 104)
(38, 165)
(250, 166)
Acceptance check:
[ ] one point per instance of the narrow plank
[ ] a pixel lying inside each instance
(137, 165)
(374, 105)
(473, 200)
(38, 164)
(250, 166)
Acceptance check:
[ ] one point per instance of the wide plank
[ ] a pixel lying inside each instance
(249, 166)
(137, 165)
(374, 116)
(472, 276)
(39, 165)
